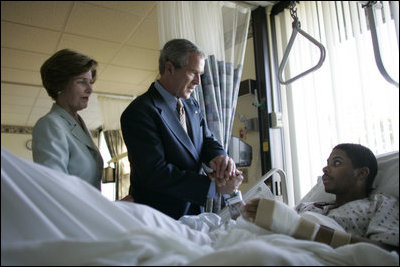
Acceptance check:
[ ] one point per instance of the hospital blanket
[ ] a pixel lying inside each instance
(50, 218)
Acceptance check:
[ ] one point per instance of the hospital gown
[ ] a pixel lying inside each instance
(376, 217)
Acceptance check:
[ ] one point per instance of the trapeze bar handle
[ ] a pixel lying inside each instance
(296, 29)
(375, 43)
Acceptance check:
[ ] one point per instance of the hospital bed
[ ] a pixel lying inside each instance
(50, 218)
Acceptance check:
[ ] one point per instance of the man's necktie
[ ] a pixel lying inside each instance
(181, 112)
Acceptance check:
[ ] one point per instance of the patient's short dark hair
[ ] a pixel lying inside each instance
(361, 156)
(61, 67)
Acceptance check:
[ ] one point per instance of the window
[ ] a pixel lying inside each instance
(347, 99)
(107, 189)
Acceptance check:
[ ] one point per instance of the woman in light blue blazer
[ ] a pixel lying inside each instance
(60, 139)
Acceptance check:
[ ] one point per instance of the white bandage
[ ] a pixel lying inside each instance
(276, 216)
(305, 229)
(340, 238)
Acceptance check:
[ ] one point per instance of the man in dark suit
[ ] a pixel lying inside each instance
(166, 159)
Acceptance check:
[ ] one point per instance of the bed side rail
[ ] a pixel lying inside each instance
(253, 190)
(260, 188)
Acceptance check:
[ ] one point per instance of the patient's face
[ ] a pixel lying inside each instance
(339, 175)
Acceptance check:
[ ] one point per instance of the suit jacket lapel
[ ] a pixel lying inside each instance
(194, 116)
(84, 134)
(76, 130)
(172, 122)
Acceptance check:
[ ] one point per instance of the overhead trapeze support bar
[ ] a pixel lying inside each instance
(297, 29)
(375, 42)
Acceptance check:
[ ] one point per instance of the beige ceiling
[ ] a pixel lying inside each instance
(121, 35)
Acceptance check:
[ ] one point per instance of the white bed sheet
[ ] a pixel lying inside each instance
(49, 218)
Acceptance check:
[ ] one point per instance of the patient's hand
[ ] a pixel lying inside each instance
(249, 210)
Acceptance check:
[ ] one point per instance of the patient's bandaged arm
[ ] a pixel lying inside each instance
(276, 216)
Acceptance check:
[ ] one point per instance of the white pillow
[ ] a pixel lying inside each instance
(318, 194)
(386, 180)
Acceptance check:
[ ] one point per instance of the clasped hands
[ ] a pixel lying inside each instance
(226, 176)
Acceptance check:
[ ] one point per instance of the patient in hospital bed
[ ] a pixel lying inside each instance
(358, 215)
(51, 218)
